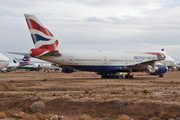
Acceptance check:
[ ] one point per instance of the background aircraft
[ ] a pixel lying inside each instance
(15, 65)
(46, 66)
(4, 62)
(108, 64)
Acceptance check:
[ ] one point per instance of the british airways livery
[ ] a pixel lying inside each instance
(108, 63)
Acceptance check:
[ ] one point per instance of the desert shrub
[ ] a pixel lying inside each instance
(145, 91)
(86, 92)
(30, 117)
(136, 92)
(36, 106)
(84, 117)
(114, 92)
(39, 116)
(21, 115)
(123, 117)
(50, 116)
(2, 115)
(38, 96)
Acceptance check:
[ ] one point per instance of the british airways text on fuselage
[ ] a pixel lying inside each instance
(145, 57)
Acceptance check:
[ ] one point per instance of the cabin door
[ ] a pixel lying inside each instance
(105, 60)
(126, 60)
(70, 59)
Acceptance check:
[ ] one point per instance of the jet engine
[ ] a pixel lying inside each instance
(67, 70)
(157, 70)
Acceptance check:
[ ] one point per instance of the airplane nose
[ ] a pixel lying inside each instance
(4, 61)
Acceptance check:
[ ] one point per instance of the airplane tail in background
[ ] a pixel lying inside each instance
(42, 38)
(24, 61)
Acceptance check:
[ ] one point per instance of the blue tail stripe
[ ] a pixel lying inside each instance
(37, 38)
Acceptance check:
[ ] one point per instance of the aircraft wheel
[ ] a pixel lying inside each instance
(131, 76)
(126, 76)
(161, 75)
(117, 76)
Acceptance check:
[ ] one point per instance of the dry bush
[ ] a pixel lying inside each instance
(2, 115)
(21, 114)
(97, 119)
(145, 91)
(86, 92)
(84, 117)
(38, 96)
(39, 116)
(123, 117)
(48, 116)
(114, 92)
(154, 118)
(30, 117)
(37, 106)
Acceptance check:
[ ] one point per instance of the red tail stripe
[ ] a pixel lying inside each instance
(36, 26)
(50, 46)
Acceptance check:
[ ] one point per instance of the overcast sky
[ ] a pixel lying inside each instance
(106, 25)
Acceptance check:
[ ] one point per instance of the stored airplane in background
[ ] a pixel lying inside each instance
(177, 65)
(46, 66)
(15, 65)
(108, 64)
(4, 62)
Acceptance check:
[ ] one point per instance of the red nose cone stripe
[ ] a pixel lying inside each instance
(155, 53)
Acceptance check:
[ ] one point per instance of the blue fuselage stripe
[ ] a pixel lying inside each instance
(100, 68)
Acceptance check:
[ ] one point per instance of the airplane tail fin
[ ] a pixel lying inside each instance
(25, 59)
(14, 61)
(41, 36)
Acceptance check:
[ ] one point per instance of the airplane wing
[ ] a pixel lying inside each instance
(142, 65)
(18, 53)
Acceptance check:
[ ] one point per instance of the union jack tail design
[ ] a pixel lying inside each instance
(41, 36)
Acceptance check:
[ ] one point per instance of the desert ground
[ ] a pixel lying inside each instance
(84, 95)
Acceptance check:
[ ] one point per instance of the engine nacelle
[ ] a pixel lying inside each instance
(157, 70)
(67, 70)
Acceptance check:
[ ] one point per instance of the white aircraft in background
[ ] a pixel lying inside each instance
(4, 62)
(15, 65)
(46, 66)
(108, 64)
(177, 65)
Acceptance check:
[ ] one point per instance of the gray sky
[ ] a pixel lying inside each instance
(94, 24)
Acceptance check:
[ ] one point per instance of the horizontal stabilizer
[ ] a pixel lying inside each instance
(54, 53)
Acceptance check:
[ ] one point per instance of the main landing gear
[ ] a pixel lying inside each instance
(161, 75)
(112, 75)
(128, 75)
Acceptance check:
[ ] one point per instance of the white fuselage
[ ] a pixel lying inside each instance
(4, 61)
(48, 66)
(104, 61)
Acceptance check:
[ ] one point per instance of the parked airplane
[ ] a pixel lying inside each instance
(4, 62)
(54, 67)
(177, 65)
(15, 65)
(46, 66)
(108, 64)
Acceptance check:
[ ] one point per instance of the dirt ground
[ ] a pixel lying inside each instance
(70, 95)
